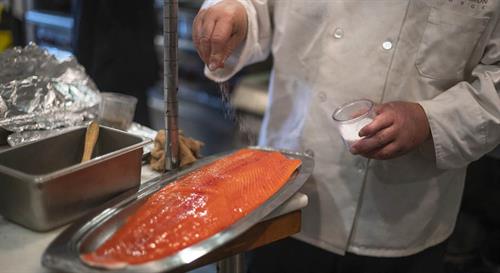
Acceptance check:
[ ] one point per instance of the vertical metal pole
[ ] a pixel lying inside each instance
(170, 83)
(234, 264)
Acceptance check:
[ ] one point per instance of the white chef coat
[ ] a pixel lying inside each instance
(443, 54)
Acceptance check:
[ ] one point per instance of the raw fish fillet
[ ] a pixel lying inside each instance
(195, 207)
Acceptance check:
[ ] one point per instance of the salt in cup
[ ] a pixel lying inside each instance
(351, 117)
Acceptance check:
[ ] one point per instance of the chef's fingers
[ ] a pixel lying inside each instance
(207, 29)
(389, 151)
(378, 108)
(219, 39)
(197, 29)
(375, 142)
(233, 42)
(380, 122)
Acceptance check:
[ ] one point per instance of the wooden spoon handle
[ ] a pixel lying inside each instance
(90, 139)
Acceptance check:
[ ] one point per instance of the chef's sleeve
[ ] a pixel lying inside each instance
(465, 120)
(257, 45)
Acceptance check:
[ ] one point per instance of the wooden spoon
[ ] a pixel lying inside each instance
(90, 139)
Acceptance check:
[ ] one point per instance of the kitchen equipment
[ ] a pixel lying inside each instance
(43, 184)
(86, 235)
(91, 136)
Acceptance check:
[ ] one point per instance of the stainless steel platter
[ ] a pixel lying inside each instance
(91, 231)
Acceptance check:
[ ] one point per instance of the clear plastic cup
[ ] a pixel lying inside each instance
(351, 117)
(117, 110)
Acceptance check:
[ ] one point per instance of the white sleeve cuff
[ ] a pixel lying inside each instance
(458, 127)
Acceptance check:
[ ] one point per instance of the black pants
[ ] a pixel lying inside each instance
(294, 256)
(474, 246)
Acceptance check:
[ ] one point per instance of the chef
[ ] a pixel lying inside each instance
(432, 66)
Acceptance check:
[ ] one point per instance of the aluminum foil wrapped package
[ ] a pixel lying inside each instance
(17, 138)
(40, 92)
(29, 136)
(145, 133)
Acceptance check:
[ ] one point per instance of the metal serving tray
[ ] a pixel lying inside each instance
(43, 184)
(88, 233)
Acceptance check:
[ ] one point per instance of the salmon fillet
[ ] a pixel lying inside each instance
(195, 207)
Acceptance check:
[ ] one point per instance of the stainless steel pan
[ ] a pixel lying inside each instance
(43, 184)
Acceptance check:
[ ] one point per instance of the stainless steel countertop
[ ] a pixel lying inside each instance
(21, 249)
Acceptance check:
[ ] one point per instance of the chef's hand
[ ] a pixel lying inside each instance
(398, 128)
(218, 30)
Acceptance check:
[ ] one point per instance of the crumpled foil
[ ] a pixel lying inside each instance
(17, 138)
(145, 133)
(39, 92)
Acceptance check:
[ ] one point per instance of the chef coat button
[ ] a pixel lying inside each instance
(387, 45)
(338, 33)
(310, 152)
(322, 96)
